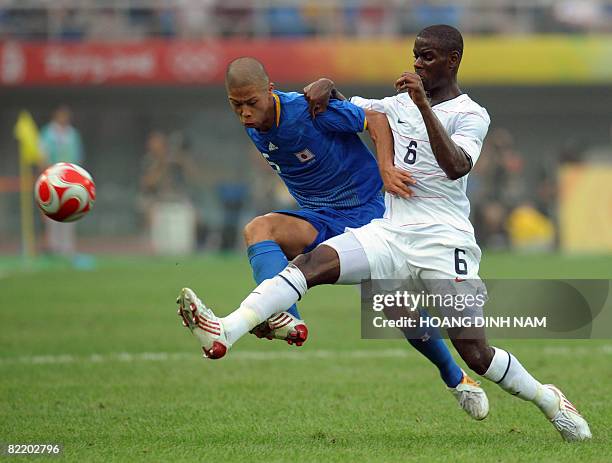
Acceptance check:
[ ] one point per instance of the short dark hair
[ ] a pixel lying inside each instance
(448, 37)
(246, 71)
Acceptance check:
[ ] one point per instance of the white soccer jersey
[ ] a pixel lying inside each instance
(437, 199)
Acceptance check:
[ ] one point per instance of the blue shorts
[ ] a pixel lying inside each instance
(331, 222)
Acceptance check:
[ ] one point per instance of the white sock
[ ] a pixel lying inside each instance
(512, 377)
(270, 297)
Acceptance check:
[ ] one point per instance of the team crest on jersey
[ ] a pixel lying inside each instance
(305, 155)
(272, 146)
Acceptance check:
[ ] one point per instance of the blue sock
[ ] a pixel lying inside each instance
(429, 342)
(268, 260)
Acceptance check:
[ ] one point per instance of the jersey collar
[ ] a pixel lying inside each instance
(277, 108)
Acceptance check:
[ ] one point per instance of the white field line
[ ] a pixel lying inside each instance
(131, 357)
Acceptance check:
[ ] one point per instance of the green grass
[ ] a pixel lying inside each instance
(338, 398)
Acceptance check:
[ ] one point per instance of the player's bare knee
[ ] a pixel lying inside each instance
(259, 229)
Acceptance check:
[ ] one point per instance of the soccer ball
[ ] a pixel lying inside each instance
(65, 192)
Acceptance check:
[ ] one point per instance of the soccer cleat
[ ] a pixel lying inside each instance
(570, 424)
(203, 323)
(283, 326)
(471, 397)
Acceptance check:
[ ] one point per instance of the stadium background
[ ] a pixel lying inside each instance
(138, 74)
(540, 68)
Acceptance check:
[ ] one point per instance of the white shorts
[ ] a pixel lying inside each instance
(418, 251)
(436, 258)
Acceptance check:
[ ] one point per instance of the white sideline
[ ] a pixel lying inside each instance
(264, 356)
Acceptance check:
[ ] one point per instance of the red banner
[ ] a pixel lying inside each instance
(563, 59)
(152, 62)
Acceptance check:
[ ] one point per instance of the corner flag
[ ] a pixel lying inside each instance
(26, 134)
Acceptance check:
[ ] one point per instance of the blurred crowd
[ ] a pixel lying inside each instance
(512, 206)
(172, 180)
(199, 19)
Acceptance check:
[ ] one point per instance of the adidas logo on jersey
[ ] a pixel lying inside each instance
(272, 146)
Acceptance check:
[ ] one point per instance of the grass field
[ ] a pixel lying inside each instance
(98, 362)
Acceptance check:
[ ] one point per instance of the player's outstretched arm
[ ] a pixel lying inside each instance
(451, 158)
(396, 181)
(318, 94)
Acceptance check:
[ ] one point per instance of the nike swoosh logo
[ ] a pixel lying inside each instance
(459, 280)
(399, 121)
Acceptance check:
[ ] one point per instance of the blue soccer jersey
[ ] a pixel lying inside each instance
(323, 161)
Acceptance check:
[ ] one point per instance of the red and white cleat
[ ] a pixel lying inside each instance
(203, 323)
(283, 326)
(570, 424)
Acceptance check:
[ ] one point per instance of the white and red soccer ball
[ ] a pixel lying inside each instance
(65, 192)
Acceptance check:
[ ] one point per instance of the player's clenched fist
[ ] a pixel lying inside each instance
(317, 95)
(411, 83)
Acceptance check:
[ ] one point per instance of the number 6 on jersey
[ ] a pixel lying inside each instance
(410, 157)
